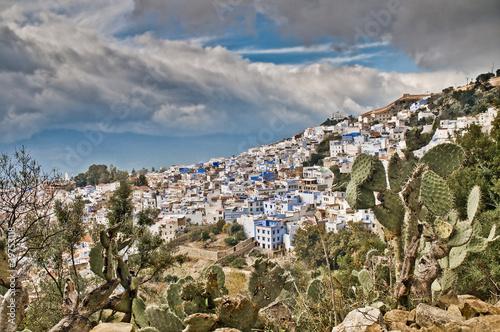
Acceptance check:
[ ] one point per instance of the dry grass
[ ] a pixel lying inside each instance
(236, 282)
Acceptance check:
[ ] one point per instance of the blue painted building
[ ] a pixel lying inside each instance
(269, 234)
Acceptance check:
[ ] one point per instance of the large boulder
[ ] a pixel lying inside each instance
(396, 316)
(359, 320)
(448, 299)
(473, 307)
(482, 323)
(429, 316)
(114, 327)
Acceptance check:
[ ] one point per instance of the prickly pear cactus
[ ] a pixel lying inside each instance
(316, 290)
(174, 300)
(377, 180)
(96, 261)
(444, 158)
(215, 281)
(399, 171)
(418, 194)
(239, 313)
(391, 212)
(266, 282)
(163, 320)
(365, 279)
(362, 169)
(139, 312)
(359, 197)
(435, 193)
(464, 239)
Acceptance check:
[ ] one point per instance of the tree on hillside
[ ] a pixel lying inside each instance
(26, 196)
(141, 181)
(124, 255)
(120, 205)
(483, 78)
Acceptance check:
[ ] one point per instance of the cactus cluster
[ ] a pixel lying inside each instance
(107, 263)
(464, 239)
(416, 209)
(203, 305)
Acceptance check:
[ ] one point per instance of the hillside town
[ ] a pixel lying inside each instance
(267, 189)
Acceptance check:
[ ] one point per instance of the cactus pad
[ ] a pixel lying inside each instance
(461, 234)
(371, 253)
(215, 280)
(435, 194)
(448, 279)
(316, 290)
(163, 320)
(457, 256)
(442, 229)
(473, 203)
(359, 197)
(96, 261)
(377, 180)
(477, 244)
(491, 236)
(174, 300)
(265, 283)
(444, 262)
(452, 218)
(399, 171)
(365, 280)
(391, 212)
(237, 313)
(361, 169)
(139, 312)
(444, 159)
(415, 139)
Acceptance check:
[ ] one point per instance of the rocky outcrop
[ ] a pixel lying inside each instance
(428, 316)
(360, 320)
(114, 327)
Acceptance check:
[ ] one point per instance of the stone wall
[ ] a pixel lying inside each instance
(215, 256)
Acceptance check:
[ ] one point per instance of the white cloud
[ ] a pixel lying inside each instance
(67, 75)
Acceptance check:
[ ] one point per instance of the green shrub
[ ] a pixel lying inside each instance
(220, 225)
(235, 227)
(194, 236)
(231, 241)
(240, 235)
(205, 236)
(238, 262)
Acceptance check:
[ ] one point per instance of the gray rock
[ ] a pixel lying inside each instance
(359, 320)
(114, 327)
(428, 316)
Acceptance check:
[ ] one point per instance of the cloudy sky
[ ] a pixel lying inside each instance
(141, 83)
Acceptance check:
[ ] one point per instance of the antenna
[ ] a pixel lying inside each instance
(467, 78)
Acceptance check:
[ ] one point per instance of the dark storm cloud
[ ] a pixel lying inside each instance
(437, 34)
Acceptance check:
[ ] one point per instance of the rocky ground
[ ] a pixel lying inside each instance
(452, 313)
